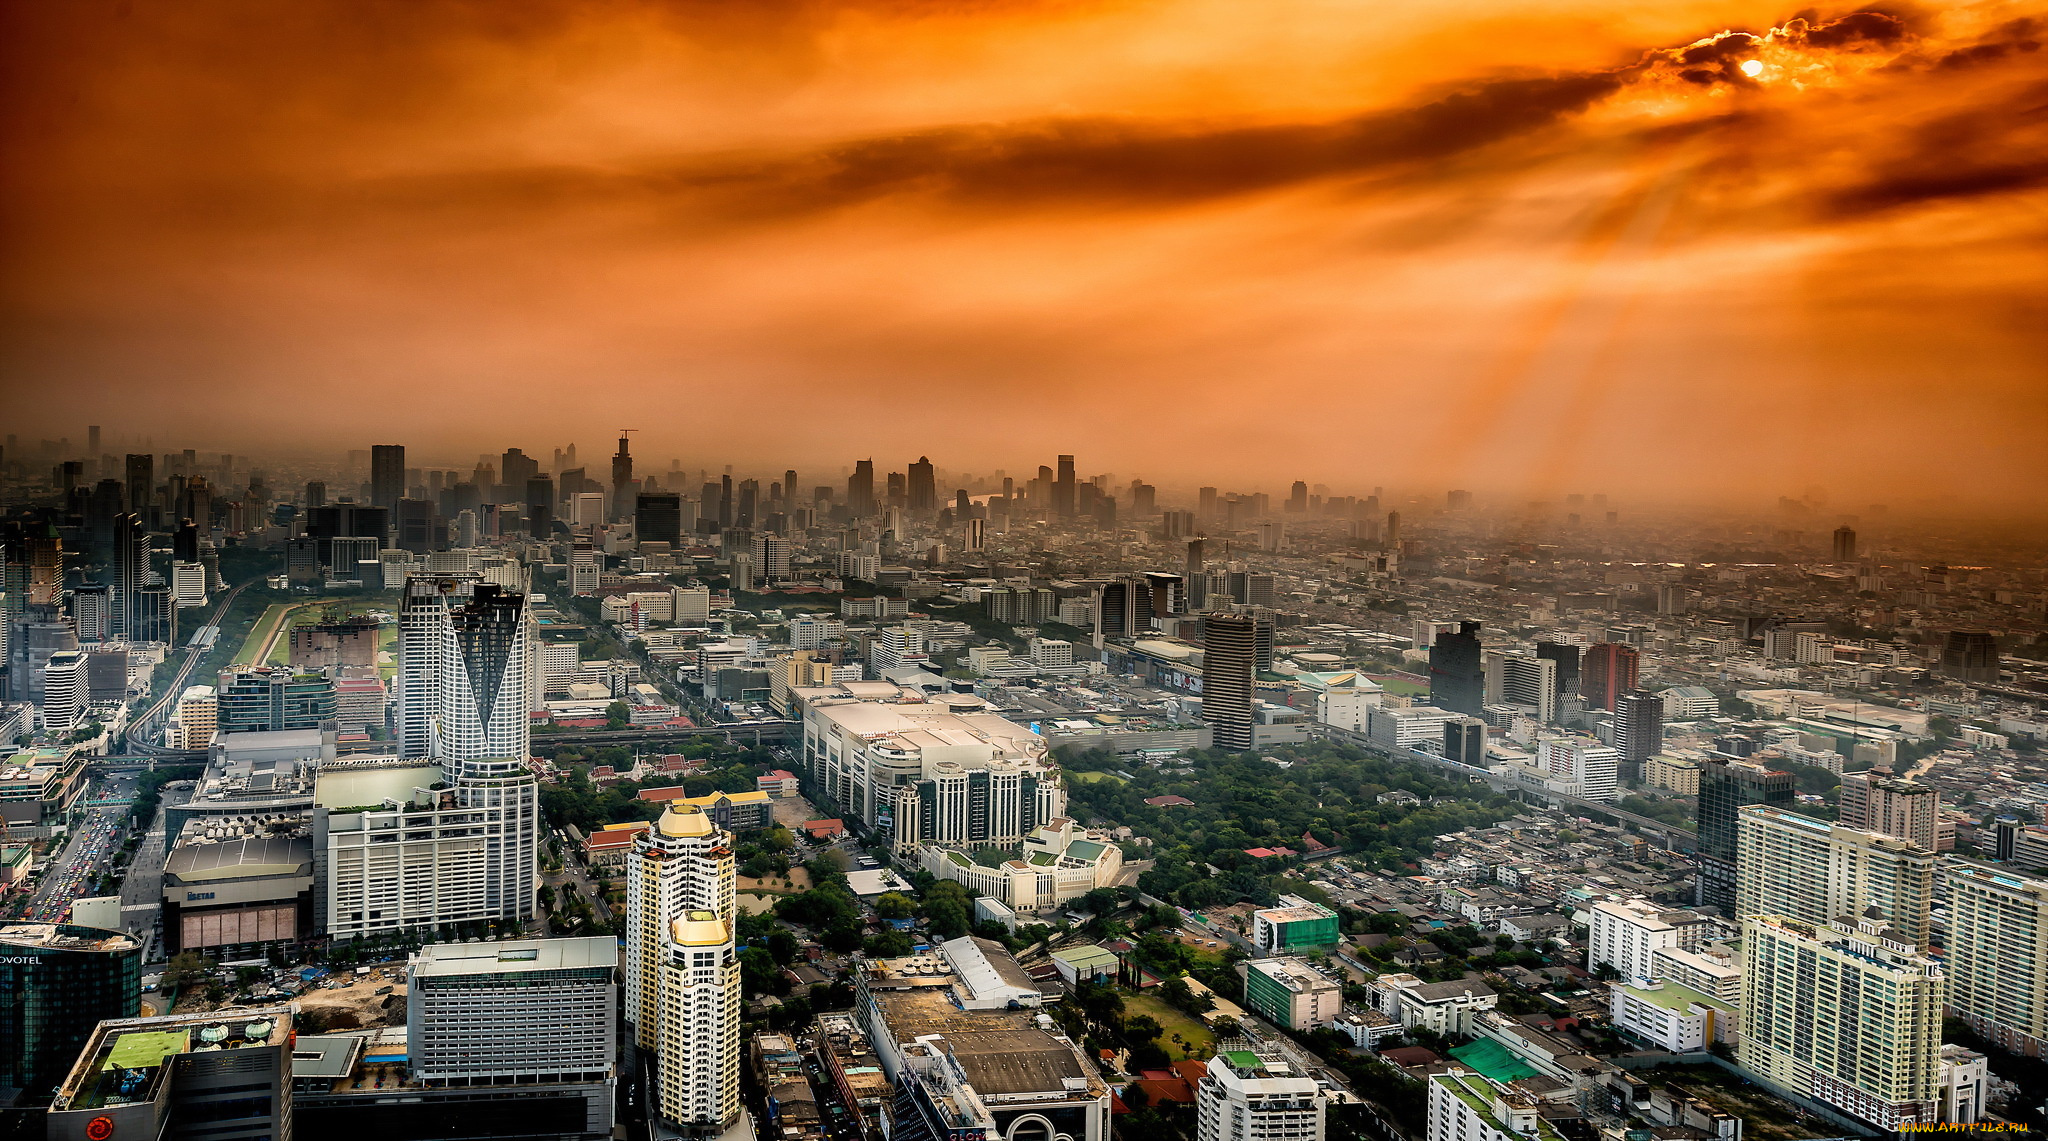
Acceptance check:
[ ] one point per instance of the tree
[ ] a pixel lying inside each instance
(618, 715)
(1140, 1029)
(895, 905)
(948, 918)
(1225, 1027)
(1100, 901)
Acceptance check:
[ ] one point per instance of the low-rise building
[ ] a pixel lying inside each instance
(1669, 1016)
(1291, 993)
(1464, 1106)
(231, 890)
(1297, 925)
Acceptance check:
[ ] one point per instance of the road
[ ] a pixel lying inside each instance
(141, 728)
(76, 870)
(143, 888)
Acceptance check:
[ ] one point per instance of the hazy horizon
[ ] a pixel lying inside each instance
(1521, 247)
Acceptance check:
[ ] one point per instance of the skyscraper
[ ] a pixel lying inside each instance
(1844, 1012)
(860, 489)
(1725, 788)
(1608, 671)
(622, 477)
(1876, 802)
(922, 493)
(1229, 658)
(1063, 488)
(130, 559)
(60, 981)
(141, 483)
(1998, 954)
(387, 476)
(540, 506)
(1457, 672)
(1525, 680)
(1970, 655)
(1815, 871)
(1845, 544)
(1567, 658)
(1638, 731)
(682, 970)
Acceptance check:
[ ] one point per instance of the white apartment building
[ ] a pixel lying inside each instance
(1849, 1015)
(682, 968)
(1712, 970)
(1290, 992)
(1627, 934)
(1815, 871)
(1250, 1096)
(691, 606)
(1417, 727)
(1467, 1107)
(1052, 653)
(65, 692)
(1588, 768)
(1669, 1016)
(1523, 680)
(1998, 954)
(524, 1010)
(194, 720)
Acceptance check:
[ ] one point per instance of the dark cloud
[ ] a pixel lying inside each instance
(2015, 37)
(1983, 151)
(1856, 31)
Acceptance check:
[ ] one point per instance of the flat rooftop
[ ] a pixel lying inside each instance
(442, 960)
(65, 937)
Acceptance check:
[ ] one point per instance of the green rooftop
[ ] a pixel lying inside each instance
(142, 1049)
(1677, 999)
(1493, 1060)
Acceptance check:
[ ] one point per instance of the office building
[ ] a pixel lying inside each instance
(1290, 993)
(1465, 741)
(1031, 606)
(1457, 670)
(1566, 656)
(92, 612)
(1725, 787)
(511, 1012)
(1998, 955)
(1608, 670)
(66, 692)
(1847, 1012)
(1297, 925)
(194, 719)
(622, 477)
(1252, 1096)
(448, 831)
(222, 1075)
(1875, 801)
(129, 551)
(1814, 871)
(1970, 655)
(1845, 544)
(58, 981)
(267, 699)
(658, 517)
(1229, 659)
(1523, 680)
(682, 969)
(1638, 731)
(387, 476)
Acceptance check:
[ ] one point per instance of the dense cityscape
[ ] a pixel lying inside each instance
(1023, 570)
(576, 795)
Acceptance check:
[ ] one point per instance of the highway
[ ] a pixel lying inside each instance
(141, 728)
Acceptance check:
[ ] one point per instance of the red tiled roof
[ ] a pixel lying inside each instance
(663, 794)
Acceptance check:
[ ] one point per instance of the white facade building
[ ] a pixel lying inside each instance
(1627, 934)
(523, 1010)
(1467, 1107)
(1590, 769)
(1249, 1096)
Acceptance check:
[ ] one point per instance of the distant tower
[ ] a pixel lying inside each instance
(1638, 731)
(1608, 671)
(922, 492)
(1063, 488)
(1393, 534)
(1229, 657)
(1845, 544)
(622, 477)
(860, 489)
(387, 475)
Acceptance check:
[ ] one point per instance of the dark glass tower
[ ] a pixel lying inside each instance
(1725, 788)
(57, 982)
(1457, 671)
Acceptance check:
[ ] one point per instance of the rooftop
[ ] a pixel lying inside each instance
(65, 937)
(513, 956)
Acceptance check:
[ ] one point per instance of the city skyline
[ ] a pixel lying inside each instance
(1519, 247)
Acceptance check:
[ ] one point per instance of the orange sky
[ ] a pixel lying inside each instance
(1524, 247)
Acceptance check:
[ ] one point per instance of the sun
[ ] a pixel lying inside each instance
(1752, 67)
